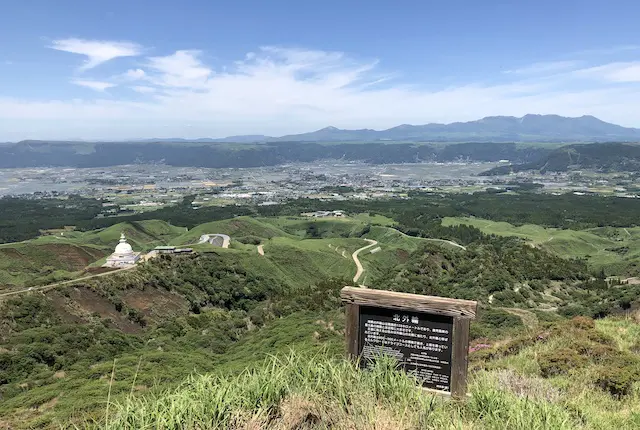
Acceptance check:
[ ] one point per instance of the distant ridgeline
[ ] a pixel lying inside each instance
(220, 155)
(606, 157)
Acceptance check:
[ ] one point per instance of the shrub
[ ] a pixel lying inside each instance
(617, 381)
(560, 362)
(583, 323)
(250, 240)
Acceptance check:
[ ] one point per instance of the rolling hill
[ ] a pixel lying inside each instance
(133, 336)
(614, 250)
(48, 259)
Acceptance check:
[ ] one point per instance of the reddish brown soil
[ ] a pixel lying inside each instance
(86, 302)
(402, 255)
(12, 253)
(155, 304)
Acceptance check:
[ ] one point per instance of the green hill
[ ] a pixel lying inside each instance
(65, 255)
(235, 228)
(142, 235)
(25, 264)
(616, 250)
(219, 312)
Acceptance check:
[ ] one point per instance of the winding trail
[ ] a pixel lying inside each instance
(450, 242)
(63, 283)
(360, 270)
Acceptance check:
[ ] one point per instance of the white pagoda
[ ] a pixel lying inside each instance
(123, 255)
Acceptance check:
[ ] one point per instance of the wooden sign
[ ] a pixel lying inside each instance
(429, 336)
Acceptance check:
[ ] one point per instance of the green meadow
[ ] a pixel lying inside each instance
(616, 250)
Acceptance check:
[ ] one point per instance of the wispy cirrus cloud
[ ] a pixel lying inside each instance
(546, 67)
(621, 72)
(94, 85)
(279, 90)
(143, 89)
(97, 51)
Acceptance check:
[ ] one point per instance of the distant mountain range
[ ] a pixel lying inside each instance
(529, 128)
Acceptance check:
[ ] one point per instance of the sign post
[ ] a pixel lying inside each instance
(429, 336)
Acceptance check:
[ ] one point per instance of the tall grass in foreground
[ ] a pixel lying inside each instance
(319, 392)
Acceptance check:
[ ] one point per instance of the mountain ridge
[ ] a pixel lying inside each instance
(528, 128)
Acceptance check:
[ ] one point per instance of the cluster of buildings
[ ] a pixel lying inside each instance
(325, 214)
(124, 255)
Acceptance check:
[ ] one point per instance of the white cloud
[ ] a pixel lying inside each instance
(277, 91)
(143, 89)
(97, 51)
(181, 70)
(94, 85)
(135, 74)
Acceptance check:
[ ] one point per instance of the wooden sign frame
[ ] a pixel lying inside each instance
(462, 312)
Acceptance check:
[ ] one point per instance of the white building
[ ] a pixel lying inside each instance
(123, 255)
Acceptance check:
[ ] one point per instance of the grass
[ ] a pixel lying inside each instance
(235, 227)
(285, 239)
(614, 249)
(49, 259)
(321, 391)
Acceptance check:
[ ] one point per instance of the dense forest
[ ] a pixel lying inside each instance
(420, 215)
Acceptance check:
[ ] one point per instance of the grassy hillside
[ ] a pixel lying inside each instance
(142, 235)
(569, 375)
(235, 227)
(614, 249)
(48, 259)
(25, 264)
(222, 311)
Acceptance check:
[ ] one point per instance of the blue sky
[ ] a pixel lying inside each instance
(130, 69)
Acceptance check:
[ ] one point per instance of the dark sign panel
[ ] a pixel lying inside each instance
(421, 342)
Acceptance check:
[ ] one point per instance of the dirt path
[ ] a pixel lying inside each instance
(63, 283)
(529, 319)
(450, 242)
(360, 270)
(261, 249)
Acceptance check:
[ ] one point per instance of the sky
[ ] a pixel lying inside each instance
(117, 70)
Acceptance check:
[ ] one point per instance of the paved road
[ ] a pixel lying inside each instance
(358, 264)
(63, 283)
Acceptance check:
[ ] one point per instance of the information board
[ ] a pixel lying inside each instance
(421, 343)
(428, 335)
